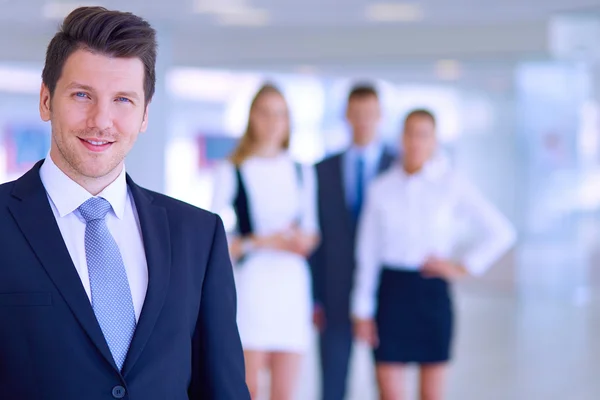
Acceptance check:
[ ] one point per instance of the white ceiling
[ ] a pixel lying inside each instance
(323, 33)
(306, 13)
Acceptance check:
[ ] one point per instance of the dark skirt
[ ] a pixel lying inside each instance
(414, 318)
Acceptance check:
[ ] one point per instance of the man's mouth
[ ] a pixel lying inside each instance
(96, 144)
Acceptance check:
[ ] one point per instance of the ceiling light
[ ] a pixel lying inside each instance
(394, 12)
(448, 70)
(218, 6)
(244, 17)
(306, 70)
(233, 12)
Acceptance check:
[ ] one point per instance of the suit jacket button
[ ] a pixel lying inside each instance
(118, 392)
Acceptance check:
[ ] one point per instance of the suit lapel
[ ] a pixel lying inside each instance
(33, 214)
(339, 180)
(385, 161)
(157, 244)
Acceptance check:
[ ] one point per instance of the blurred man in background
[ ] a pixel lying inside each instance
(342, 180)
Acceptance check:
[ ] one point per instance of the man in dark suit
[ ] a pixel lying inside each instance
(108, 290)
(342, 182)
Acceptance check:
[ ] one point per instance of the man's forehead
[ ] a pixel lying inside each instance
(93, 69)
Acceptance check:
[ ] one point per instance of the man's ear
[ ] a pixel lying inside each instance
(145, 120)
(45, 103)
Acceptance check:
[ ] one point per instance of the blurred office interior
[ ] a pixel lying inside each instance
(516, 89)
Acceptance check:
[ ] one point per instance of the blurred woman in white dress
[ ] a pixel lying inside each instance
(274, 201)
(407, 256)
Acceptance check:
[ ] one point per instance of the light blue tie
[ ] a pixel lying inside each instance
(111, 296)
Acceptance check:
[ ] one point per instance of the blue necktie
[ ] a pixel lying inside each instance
(360, 186)
(111, 296)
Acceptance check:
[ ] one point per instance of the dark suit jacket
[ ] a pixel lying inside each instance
(186, 344)
(333, 262)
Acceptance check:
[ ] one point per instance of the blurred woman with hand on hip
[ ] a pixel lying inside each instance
(274, 200)
(406, 258)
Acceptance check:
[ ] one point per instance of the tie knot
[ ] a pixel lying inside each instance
(94, 208)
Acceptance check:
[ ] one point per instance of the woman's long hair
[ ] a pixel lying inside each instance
(247, 144)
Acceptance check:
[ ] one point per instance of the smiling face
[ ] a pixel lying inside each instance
(96, 111)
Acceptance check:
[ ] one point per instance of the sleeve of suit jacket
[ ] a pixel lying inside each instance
(218, 370)
(316, 261)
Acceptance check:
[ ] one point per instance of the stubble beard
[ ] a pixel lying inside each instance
(85, 164)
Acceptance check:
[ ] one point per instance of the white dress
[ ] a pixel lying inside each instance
(273, 287)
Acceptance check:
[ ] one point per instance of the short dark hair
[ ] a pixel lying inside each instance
(420, 112)
(362, 90)
(111, 33)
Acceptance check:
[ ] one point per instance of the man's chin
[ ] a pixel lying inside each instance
(99, 172)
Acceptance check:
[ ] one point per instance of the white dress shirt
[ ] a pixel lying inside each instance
(409, 218)
(66, 196)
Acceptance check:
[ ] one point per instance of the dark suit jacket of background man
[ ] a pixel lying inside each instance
(333, 266)
(186, 344)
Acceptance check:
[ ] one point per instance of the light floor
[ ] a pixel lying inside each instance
(504, 351)
(528, 332)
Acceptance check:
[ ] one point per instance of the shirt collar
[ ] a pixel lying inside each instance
(432, 170)
(370, 152)
(67, 195)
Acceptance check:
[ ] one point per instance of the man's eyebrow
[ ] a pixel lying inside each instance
(77, 85)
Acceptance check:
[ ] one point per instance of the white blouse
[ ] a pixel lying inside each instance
(275, 197)
(409, 218)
